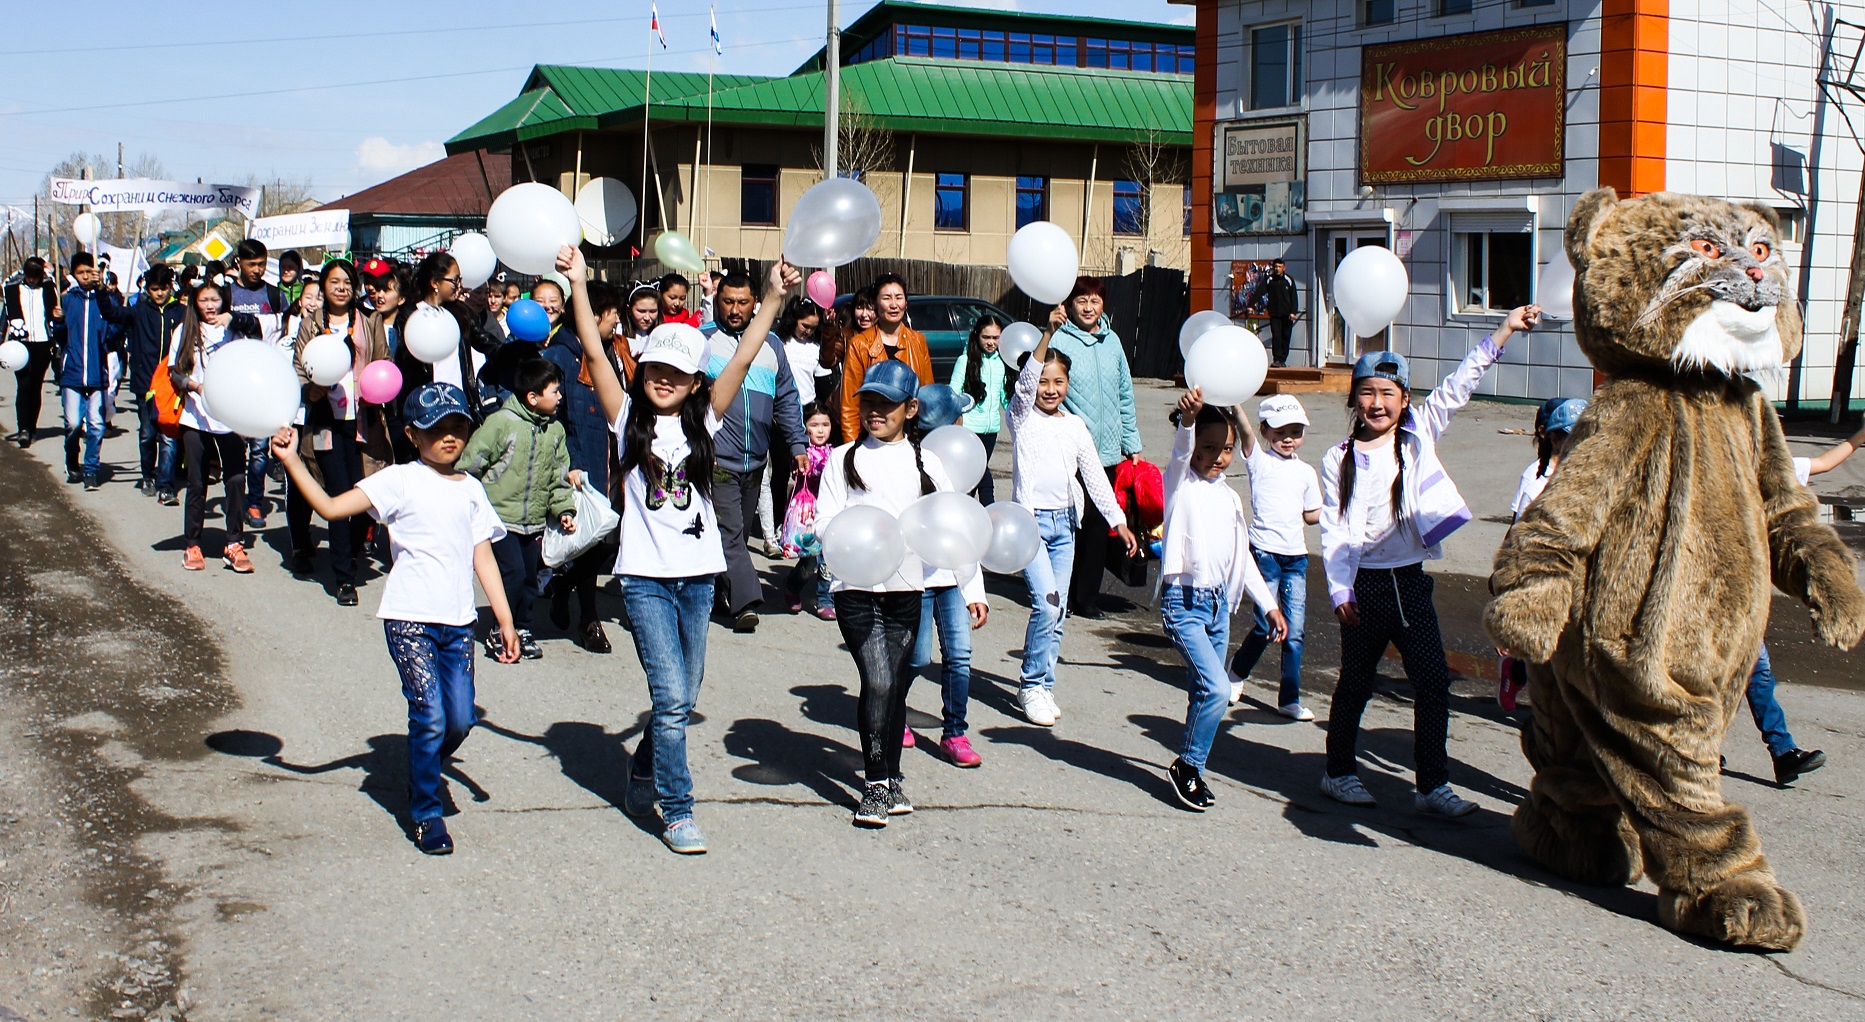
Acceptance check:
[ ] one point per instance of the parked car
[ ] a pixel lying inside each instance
(946, 320)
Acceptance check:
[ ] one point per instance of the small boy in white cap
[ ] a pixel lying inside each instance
(1285, 498)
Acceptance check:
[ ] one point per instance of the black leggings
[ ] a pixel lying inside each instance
(1090, 559)
(1395, 607)
(342, 469)
(232, 450)
(579, 578)
(31, 380)
(879, 629)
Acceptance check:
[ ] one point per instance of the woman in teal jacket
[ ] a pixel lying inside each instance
(979, 374)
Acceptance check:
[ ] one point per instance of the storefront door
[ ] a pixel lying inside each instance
(1334, 339)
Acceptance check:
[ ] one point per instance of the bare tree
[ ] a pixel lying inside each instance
(862, 144)
(280, 195)
(118, 228)
(1153, 162)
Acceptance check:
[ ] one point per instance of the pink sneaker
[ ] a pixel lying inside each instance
(958, 750)
(826, 612)
(1511, 679)
(907, 741)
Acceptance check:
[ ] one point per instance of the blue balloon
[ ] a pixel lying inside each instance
(526, 320)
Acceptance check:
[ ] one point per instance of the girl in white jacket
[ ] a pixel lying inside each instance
(1386, 504)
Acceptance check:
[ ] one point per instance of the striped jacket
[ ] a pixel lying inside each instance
(768, 399)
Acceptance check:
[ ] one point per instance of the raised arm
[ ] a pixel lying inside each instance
(1433, 416)
(601, 373)
(1836, 455)
(331, 509)
(781, 279)
(1810, 562)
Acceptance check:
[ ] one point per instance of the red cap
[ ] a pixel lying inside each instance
(377, 267)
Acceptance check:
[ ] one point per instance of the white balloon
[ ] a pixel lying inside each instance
(528, 223)
(1196, 326)
(1043, 262)
(862, 546)
(607, 210)
(326, 359)
(13, 356)
(431, 334)
(87, 228)
(960, 453)
(474, 254)
(946, 530)
(1018, 340)
(833, 224)
(252, 387)
(1015, 539)
(1554, 289)
(1227, 365)
(1370, 288)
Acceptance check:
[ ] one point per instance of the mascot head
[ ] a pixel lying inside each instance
(1680, 284)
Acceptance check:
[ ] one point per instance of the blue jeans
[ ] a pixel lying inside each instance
(1766, 709)
(945, 607)
(157, 451)
(668, 618)
(83, 409)
(1198, 622)
(436, 665)
(258, 458)
(1287, 576)
(1048, 579)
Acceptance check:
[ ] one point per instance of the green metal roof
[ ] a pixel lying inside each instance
(559, 98)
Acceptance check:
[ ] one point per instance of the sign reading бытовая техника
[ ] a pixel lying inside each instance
(1477, 107)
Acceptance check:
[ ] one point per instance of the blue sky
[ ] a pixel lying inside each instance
(289, 97)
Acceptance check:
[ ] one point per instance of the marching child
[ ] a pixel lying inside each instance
(807, 583)
(442, 528)
(1285, 498)
(1052, 449)
(1554, 423)
(1386, 505)
(886, 469)
(664, 423)
(521, 457)
(1205, 571)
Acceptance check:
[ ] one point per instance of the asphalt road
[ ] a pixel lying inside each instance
(233, 745)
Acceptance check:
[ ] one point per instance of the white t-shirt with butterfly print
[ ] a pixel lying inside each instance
(670, 532)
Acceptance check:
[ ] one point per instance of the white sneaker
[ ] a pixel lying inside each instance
(1236, 686)
(1349, 790)
(1295, 711)
(1442, 801)
(1036, 707)
(1049, 699)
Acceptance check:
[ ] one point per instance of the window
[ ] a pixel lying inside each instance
(950, 212)
(1492, 272)
(1379, 12)
(1793, 224)
(757, 195)
(1129, 208)
(1032, 200)
(1276, 66)
(1536, 3)
(945, 42)
(1446, 8)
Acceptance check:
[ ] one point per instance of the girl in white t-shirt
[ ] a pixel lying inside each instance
(664, 423)
(205, 329)
(442, 528)
(1551, 435)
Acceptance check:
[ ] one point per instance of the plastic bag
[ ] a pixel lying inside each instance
(595, 520)
(800, 522)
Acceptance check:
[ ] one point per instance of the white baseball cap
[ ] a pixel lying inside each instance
(678, 345)
(1279, 410)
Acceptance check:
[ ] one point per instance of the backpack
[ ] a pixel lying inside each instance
(167, 402)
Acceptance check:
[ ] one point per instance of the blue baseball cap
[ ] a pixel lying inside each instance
(940, 405)
(432, 402)
(1547, 408)
(892, 379)
(1385, 365)
(1565, 415)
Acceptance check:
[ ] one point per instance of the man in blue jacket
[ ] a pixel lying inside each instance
(84, 371)
(153, 319)
(768, 397)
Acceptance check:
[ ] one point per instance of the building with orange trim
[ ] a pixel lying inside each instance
(1460, 133)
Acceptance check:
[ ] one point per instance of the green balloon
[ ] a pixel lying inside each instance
(676, 250)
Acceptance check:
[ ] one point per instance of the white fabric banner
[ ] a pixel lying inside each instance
(136, 194)
(328, 228)
(127, 263)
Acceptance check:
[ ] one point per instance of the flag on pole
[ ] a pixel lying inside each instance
(654, 24)
(717, 46)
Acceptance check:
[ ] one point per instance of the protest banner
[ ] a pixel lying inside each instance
(317, 229)
(136, 194)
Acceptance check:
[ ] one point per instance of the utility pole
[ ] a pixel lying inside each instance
(119, 159)
(832, 105)
(1849, 324)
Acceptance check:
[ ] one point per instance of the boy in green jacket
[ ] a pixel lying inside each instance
(519, 455)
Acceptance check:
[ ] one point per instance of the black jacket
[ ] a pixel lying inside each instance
(1279, 288)
(15, 309)
(149, 333)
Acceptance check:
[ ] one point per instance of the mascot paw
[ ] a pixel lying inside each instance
(1749, 910)
(1839, 611)
(1599, 851)
(1529, 619)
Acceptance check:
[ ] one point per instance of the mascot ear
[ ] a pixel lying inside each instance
(1767, 214)
(1589, 213)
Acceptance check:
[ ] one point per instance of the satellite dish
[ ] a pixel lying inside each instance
(607, 209)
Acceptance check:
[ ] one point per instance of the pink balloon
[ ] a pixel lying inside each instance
(380, 382)
(821, 288)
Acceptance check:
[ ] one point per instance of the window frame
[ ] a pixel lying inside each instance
(1136, 196)
(1463, 7)
(1366, 13)
(1040, 191)
(1460, 266)
(746, 180)
(940, 189)
(1292, 82)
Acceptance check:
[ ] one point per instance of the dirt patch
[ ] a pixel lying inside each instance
(103, 674)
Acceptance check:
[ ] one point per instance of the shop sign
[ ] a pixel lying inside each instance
(1481, 107)
(1261, 178)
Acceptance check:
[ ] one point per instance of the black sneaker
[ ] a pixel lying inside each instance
(528, 647)
(495, 646)
(1789, 765)
(346, 595)
(91, 482)
(300, 563)
(146, 487)
(432, 838)
(1191, 789)
(745, 623)
(902, 805)
(72, 476)
(876, 800)
(168, 499)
